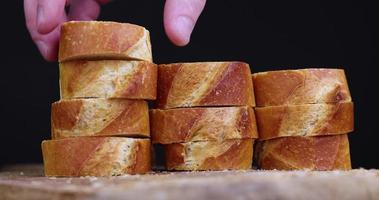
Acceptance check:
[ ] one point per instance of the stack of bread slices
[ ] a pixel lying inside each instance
(203, 112)
(303, 117)
(204, 116)
(100, 127)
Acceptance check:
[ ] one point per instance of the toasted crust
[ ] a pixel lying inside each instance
(204, 84)
(210, 155)
(305, 120)
(96, 156)
(99, 117)
(296, 153)
(83, 40)
(201, 124)
(108, 79)
(306, 86)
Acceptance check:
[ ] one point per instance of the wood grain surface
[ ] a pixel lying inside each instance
(27, 182)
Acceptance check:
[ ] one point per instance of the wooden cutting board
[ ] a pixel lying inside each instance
(28, 182)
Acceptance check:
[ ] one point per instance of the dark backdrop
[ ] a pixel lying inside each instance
(268, 35)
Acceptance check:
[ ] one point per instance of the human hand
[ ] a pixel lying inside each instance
(44, 18)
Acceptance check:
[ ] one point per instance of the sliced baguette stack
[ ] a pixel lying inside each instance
(303, 117)
(204, 116)
(100, 127)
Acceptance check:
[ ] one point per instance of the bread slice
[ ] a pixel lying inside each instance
(305, 120)
(108, 79)
(210, 155)
(204, 84)
(93, 40)
(99, 117)
(305, 86)
(96, 156)
(298, 153)
(201, 124)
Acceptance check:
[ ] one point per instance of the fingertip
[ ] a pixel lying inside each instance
(179, 30)
(49, 15)
(180, 18)
(48, 51)
(84, 10)
(48, 44)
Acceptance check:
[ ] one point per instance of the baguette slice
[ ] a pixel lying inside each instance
(210, 155)
(201, 124)
(204, 84)
(108, 79)
(93, 40)
(305, 120)
(298, 153)
(305, 86)
(96, 156)
(99, 117)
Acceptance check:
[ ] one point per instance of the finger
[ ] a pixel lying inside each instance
(85, 9)
(46, 43)
(30, 10)
(50, 14)
(179, 19)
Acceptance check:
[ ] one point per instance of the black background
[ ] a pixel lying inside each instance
(266, 34)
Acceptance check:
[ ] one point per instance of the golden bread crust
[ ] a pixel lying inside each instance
(305, 120)
(234, 154)
(94, 40)
(204, 84)
(99, 117)
(305, 86)
(299, 153)
(96, 156)
(202, 124)
(108, 79)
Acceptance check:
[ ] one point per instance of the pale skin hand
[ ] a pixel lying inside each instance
(44, 18)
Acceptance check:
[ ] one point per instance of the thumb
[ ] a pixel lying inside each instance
(50, 14)
(179, 19)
